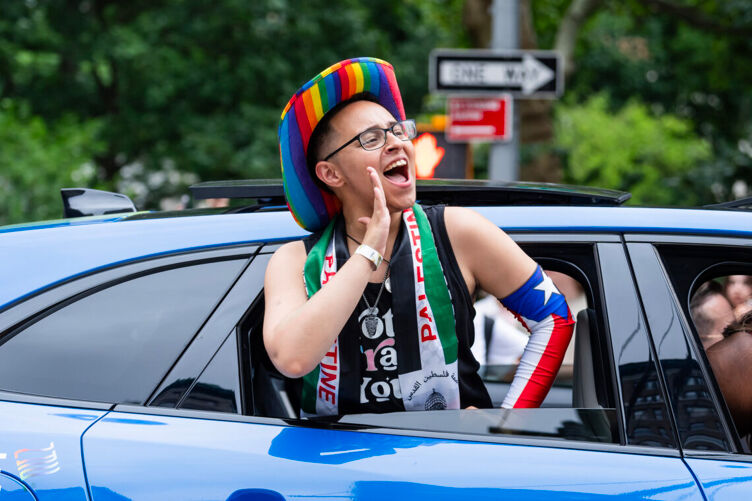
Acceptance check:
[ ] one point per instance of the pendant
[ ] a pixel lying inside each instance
(372, 323)
(388, 285)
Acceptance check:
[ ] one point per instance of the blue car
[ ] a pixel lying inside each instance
(132, 364)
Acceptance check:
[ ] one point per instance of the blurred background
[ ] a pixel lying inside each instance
(147, 97)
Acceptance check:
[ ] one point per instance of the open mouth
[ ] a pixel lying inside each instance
(397, 172)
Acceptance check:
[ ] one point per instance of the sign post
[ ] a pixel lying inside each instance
(504, 158)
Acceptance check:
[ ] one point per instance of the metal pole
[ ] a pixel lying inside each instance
(503, 161)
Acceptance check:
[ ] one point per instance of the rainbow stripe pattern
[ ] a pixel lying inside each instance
(311, 206)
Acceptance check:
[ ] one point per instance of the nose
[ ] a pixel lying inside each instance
(392, 142)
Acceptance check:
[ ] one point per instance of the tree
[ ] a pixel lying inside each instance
(37, 159)
(630, 150)
(682, 60)
(198, 87)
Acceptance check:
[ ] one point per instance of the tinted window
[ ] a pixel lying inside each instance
(712, 285)
(717, 303)
(696, 418)
(646, 416)
(218, 388)
(115, 344)
(722, 313)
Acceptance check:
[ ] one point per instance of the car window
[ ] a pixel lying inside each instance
(500, 340)
(644, 399)
(114, 343)
(713, 286)
(721, 309)
(717, 303)
(583, 411)
(218, 387)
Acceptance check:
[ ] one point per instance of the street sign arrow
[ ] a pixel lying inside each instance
(528, 74)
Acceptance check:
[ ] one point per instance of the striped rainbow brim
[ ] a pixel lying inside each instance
(312, 207)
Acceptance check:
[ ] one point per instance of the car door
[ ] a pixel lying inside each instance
(178, 451)
(70, 352)
(667, 269)
(12, 487)
(40, 451)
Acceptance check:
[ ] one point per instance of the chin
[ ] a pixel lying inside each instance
(402, 202)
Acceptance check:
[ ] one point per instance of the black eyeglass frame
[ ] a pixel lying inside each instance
(382, 129)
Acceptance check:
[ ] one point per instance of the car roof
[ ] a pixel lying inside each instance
(60, 250)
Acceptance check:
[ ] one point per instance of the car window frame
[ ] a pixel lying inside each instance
(710, 265)
(222, 322)
(618, 286)
(652, 286)
(18, 311)
(15, 318)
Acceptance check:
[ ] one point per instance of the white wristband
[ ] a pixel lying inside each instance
(371, 254)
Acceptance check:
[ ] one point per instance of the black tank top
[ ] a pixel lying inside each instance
(472, 389)
(379, 384)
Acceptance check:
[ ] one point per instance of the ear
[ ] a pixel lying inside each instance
(329, 174)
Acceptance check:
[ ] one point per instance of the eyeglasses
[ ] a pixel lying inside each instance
(373, 139)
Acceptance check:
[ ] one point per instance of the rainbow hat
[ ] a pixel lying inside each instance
(311, 206)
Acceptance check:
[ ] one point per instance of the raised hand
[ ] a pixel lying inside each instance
(377, 226)
(428, 155)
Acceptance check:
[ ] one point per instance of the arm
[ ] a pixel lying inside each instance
(298, 331)
(491, 260)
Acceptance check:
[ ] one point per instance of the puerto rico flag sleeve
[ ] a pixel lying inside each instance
(543, 311)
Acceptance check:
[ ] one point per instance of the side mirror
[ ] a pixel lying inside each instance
(78, 202)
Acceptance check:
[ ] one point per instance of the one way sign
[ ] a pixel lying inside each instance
(524, 74)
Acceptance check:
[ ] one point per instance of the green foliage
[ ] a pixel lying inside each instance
(153, 95)
(631, 150)
(198, 87)
(547, 15)
(693, 70)
(37, 159)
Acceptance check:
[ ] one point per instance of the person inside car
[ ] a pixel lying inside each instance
(738, 289)
(711, 312)
(373, 312)
(731, 361)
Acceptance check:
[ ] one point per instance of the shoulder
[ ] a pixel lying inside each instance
(291, 249)
(451, 211)
(738, 344)
(733, 354)
(291, 255)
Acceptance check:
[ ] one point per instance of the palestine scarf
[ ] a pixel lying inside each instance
(423, 317)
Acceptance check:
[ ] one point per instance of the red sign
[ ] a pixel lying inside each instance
(480, 118)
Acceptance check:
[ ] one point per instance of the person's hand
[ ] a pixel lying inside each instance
(377, 226)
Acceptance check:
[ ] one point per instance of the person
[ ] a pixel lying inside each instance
(738, 290)
(381, 319)
(711, 312)
(731, 361)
